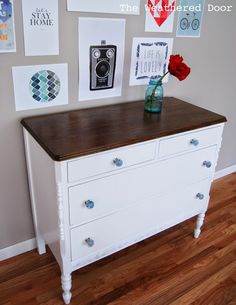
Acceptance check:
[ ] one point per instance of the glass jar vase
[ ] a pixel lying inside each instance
(154, 96)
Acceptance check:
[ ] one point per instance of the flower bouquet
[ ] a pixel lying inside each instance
(154, 93)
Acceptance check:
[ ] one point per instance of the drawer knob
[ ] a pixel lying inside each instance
(200, 196)
(194, 142)
(208, 164)
(89, 241)
(118, 162)
(89, 204)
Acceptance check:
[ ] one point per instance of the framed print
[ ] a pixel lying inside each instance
(129, 7)
(190, 21)
(150, 57)
(40, 86)
(7, 27)
(40, 20)
(160, 16)
(101, 57)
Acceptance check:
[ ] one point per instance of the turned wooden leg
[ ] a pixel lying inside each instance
(200, 220)
(66, 287)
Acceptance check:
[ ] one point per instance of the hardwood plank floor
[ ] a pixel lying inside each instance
(171, 268)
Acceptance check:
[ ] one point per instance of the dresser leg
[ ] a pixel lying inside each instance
(41, 246)
(66, 287)
(200, 220)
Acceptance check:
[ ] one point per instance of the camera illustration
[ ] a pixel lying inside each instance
(102, 66)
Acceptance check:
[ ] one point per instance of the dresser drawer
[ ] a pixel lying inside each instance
(156, 213)
(97, 198)
(190, 141)
(114, 160)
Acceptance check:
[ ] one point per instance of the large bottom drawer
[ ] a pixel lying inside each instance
(153, 213)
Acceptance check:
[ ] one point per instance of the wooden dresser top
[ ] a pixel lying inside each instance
(77, 133)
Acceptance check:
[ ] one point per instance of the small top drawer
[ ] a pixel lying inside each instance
(110, 161)
(190, 141)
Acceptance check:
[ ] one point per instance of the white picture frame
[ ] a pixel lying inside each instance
(40, 86)
(94, 32)
(7, 27)
(160, 16)
(149, 58)
(127, 7)
(41, 29)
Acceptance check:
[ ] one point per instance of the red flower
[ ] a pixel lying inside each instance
(178, 68)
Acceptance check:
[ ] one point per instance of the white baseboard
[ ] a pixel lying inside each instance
(226, 171)
(30, 244)
(17, 249)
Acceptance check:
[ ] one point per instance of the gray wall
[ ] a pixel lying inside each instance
(212, 84)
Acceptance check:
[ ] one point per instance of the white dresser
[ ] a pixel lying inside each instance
(103, 179)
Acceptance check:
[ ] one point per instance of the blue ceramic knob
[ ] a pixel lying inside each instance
(90, 242)
(118, 162)
(194, 142)
(89, 204)
(200, 196)
(208, 164)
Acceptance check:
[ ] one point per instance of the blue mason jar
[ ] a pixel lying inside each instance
(154, 96)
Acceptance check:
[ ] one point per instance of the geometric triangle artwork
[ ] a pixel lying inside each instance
(165, 11)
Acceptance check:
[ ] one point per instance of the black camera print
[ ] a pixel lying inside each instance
(102, 66)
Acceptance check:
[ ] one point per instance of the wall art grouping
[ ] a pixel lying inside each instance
(101, 47)
(150, 57)
(7, 27)
(131, 7)
(40, 86)
(101, 57)
(40, 19)
(189, 21)
(160, 15)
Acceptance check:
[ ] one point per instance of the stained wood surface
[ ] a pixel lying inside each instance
(171, 268)
(78, 133)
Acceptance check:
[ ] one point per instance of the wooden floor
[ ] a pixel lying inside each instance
(171, 268)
